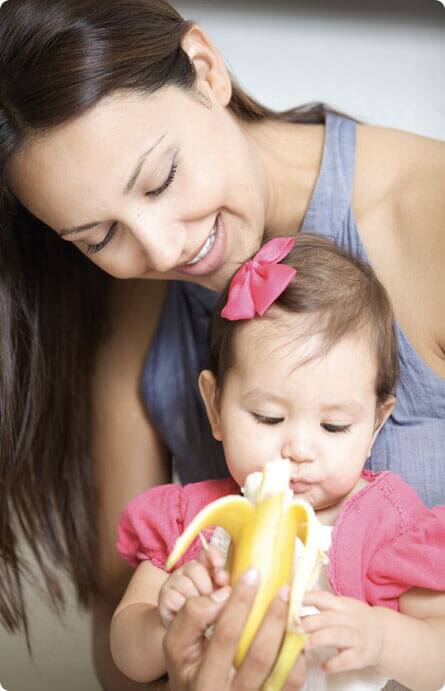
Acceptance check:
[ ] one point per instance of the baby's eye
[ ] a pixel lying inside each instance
(267, 419)
(335, 428)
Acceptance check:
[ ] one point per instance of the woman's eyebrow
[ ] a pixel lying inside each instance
(142, 158)
(128, 187)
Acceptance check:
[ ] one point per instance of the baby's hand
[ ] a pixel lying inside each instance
(350, 625)
(195, 578)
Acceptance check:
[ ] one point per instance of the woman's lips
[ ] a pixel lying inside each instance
(214, 258)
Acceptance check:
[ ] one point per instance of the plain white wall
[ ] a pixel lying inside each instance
(385, 64)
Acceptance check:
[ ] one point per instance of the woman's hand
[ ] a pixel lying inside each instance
(351, 626)
(197, 664)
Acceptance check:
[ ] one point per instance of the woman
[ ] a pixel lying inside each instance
(122, 133)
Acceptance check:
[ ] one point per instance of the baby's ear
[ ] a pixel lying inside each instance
(207, 387)
(383, 411)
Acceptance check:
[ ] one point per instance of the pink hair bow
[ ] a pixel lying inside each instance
(258, 283)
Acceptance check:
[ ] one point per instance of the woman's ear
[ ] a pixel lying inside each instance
(209, 66)
(383, 411)
(207, 387)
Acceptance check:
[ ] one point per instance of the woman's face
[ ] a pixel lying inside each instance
(163, 185)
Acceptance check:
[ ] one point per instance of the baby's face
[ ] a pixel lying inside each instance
(321, 415)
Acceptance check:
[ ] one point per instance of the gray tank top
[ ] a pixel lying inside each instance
(412, 442)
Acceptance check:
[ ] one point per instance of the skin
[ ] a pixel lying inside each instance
(260, 179)
(324, 417)
(184, 643)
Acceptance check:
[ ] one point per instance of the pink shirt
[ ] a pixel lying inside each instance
(385, 540)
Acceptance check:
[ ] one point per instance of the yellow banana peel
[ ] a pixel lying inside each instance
(263, 526)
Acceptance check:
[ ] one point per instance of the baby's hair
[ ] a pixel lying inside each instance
(340, 295)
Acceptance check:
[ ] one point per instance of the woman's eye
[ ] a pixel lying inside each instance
(167, 182)
(335, 428)
(92, 249)
(267, 420)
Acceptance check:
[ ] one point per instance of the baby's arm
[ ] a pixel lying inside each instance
(137, 633)
(406, 646)
(415, 640)
(150, 603)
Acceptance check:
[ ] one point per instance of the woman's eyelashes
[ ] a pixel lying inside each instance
(93, 248)
(167, 182)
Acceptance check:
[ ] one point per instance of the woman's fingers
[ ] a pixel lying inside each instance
(262, 653)
(218, 659)
(297, 675)
(184, 641)
(198, 664)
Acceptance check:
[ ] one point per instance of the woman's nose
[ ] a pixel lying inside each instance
(162, 241)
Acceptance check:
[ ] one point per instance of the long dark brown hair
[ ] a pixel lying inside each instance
(57, 59)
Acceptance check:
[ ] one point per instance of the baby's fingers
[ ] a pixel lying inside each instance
(335, 636)
(200, 577)
(344, 661)
(170, 602)
(323, 600)
(214, 560)
(212, 557)
(324, 620)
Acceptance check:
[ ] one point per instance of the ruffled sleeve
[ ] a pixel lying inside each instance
(152, 521)
(415, 558)
(387, 541)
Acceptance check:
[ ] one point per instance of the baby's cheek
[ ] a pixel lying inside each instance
(339, 484)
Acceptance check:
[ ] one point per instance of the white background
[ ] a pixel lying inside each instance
(383, 62)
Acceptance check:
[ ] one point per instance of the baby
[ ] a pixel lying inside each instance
(303, 363)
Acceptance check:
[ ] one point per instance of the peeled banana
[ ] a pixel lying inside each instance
(263, 526)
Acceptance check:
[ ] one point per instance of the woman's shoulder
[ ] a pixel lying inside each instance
(399, 206)
(136, 307)
(397, 162)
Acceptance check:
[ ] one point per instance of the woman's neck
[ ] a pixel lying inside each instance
(289, 156)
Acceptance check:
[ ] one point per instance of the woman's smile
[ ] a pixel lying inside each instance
(211, 255)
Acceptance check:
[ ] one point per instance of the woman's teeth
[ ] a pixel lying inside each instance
(206, 248)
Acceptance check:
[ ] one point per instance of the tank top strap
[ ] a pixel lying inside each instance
(331, 199)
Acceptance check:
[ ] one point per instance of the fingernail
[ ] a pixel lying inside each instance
(221, 595)
(284, 593)
(251, 576)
